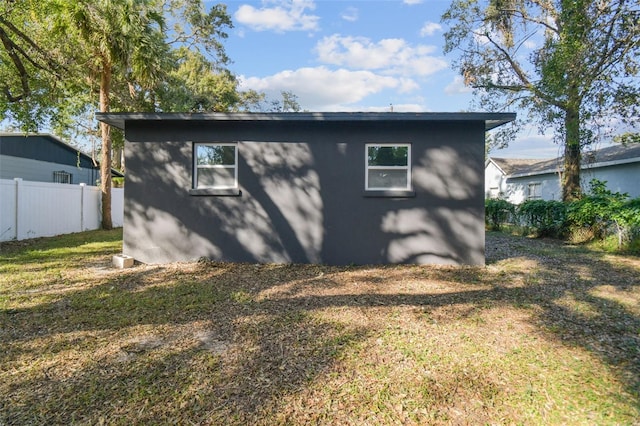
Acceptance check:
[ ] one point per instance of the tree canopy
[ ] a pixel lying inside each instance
(571, 64)
(62, 60)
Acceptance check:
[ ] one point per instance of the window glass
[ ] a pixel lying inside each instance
(388, 179)
(216, 155)
(216, 178)
(215, 166)
(62, 177)
(388, 167)
(388, 155)
(535, 191)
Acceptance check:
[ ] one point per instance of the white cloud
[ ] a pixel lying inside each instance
(457, 87)
(430, 28)
(530, 146)
(412, 2)
(322, 89)
(391, 56)
(284, 15)
(350, 14)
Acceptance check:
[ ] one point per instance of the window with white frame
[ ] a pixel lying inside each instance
(388, 167)
(215, 165)
(534, 191)
(62, 177)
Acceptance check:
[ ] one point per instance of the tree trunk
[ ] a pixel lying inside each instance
(117, 158)
(571, 177)
(105, 157)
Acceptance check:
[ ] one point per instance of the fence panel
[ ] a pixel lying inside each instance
(40, 209)
(7, 210)
(92, 217)
(58, 203)
(117, 206)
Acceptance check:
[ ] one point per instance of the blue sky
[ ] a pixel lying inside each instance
(361, 55)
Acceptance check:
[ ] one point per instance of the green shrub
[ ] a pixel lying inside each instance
(498, 212)
(603, 212)
(600, 215)
(595, 209)
(546, 218)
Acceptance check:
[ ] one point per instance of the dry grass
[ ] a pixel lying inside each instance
(545, 334)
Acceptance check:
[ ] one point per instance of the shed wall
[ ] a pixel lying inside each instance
(303, 197)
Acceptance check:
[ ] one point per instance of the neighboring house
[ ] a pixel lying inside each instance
(618, 165)
(496, 172)
(332, 188)
(45, 158)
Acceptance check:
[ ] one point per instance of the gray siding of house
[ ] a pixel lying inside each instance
(36, 157)
(42, 171)
(518, 188)
(43, 148)
(302, 194)
(619, 177)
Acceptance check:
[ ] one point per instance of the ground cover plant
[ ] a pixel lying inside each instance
(546, 333)
(600, 217)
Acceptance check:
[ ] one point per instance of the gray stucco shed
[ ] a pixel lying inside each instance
(300, 192)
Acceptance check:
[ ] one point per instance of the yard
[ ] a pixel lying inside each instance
(546, 333)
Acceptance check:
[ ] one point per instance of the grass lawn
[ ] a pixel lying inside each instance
(544, 334)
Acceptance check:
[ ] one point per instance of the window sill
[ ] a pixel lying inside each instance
(215, 192)
(389, 193)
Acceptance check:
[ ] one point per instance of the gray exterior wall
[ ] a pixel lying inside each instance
(619, 177)
(42, 171)
(302, 194)
(518, 188)
(35, 158)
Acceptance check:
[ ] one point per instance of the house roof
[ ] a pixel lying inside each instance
(510, 165)
(491, 120)
(13, 149)
(609, 156)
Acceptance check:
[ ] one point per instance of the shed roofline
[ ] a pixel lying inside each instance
(491, 119)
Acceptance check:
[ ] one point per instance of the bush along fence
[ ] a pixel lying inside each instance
(40, 209)
(599, 214)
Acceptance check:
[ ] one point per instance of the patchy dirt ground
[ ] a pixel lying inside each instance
(546, 333)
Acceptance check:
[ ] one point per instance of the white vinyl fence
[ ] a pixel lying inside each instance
(40, 209)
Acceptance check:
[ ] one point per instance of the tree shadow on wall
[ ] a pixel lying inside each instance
(300, 203)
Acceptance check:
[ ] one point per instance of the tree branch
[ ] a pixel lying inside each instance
(10, 47)
(621, 46)
(532, 20)
(52, 64)
(522, 76)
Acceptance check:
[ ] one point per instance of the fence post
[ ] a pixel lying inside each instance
(82, 185)
(18, 182)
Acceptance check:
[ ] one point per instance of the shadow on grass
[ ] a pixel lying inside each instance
(225, 343)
